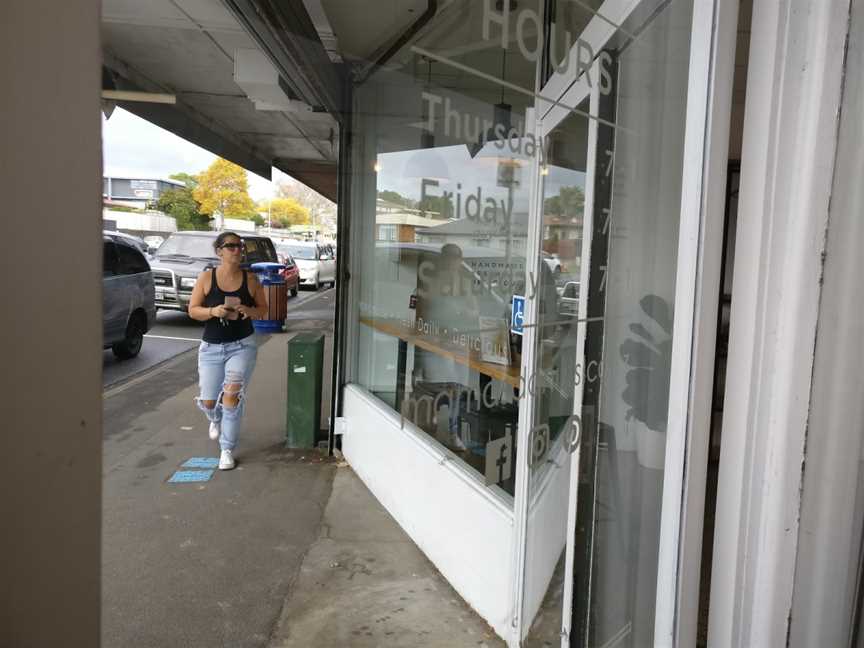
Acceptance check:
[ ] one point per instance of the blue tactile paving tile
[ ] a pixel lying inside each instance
(201, 462)
(186, 476)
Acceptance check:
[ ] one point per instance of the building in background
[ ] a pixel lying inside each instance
(399, 223)
(145, 223)
(135, 192)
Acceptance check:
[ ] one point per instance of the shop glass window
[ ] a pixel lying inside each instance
(386, 232)
(443, 151)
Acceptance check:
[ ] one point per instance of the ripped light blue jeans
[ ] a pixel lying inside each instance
(225, 370)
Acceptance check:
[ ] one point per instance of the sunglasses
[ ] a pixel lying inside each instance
(232, 246)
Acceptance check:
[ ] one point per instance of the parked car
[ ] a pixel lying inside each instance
(153, 242)
(184, 255)
(135, 241)
(291, 273)
(553, 262)
(568, 303)
(128, 293)
(316, 262)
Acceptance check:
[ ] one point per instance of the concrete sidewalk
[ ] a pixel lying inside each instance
(365, 584)
(289, 549)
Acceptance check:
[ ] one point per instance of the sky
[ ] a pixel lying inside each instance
(460, 174)
(134, 148)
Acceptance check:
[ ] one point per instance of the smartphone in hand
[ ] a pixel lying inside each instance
(231, 304)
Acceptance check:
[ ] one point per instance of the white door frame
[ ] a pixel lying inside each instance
(711, 71)
(700, 243)
(794, 82)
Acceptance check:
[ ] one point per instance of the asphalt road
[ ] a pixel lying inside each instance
(175, 333)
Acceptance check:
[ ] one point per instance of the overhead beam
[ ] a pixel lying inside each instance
(286, 34)
(320, 176)
(131, 95)
(183, 119)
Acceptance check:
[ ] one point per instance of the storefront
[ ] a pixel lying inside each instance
(612, 391)
(537, 205)
(541, 155)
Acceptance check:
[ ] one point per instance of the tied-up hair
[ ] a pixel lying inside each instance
(220, 240)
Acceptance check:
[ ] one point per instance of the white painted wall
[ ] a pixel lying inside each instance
(463, 527)
(238, 225)
(545, 533)
(149, 222)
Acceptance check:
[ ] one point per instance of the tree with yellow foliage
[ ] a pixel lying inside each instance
(285, 212)
(224, 189)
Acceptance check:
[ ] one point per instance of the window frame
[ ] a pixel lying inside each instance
(124, 267)
(710, 75)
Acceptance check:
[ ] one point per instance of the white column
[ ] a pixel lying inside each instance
(50, 72)
(790, 128)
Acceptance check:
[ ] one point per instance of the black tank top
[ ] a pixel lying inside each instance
(215, 331)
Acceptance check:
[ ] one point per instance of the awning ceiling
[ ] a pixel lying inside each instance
(195, 50)
(189, 48)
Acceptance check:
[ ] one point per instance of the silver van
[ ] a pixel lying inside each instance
(128, 306)
(316, 261)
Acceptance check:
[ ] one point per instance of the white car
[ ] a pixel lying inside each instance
(153, 242)
(316, 262)
(553, 262)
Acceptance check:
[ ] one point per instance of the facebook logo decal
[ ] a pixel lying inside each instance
(499, 453)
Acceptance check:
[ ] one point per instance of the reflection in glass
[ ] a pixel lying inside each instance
(557, 372)
(446, 263)
(442, 238)
(633, 277)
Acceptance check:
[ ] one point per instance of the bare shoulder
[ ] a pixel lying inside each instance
(204, 279)
(252, 278)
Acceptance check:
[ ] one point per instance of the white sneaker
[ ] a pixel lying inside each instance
(215, 430)
(226, 460)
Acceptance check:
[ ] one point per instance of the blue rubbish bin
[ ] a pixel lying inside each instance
(276, 291)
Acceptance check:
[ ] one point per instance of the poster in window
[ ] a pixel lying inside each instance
(494, 340)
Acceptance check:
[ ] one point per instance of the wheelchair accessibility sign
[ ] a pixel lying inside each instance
(517, 315)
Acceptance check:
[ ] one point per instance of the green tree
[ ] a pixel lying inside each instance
(191, 181)
(224, 189)
(396, 199)
(125, 208)
(437, 204)
(569, 203)
(181, 204)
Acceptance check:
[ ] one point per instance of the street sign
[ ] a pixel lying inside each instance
(517, 315)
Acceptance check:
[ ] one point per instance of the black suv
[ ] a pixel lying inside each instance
(181, 258)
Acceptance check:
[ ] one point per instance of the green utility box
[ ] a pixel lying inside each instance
(305, 372)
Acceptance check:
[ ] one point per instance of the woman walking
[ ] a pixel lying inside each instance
(227, 298)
